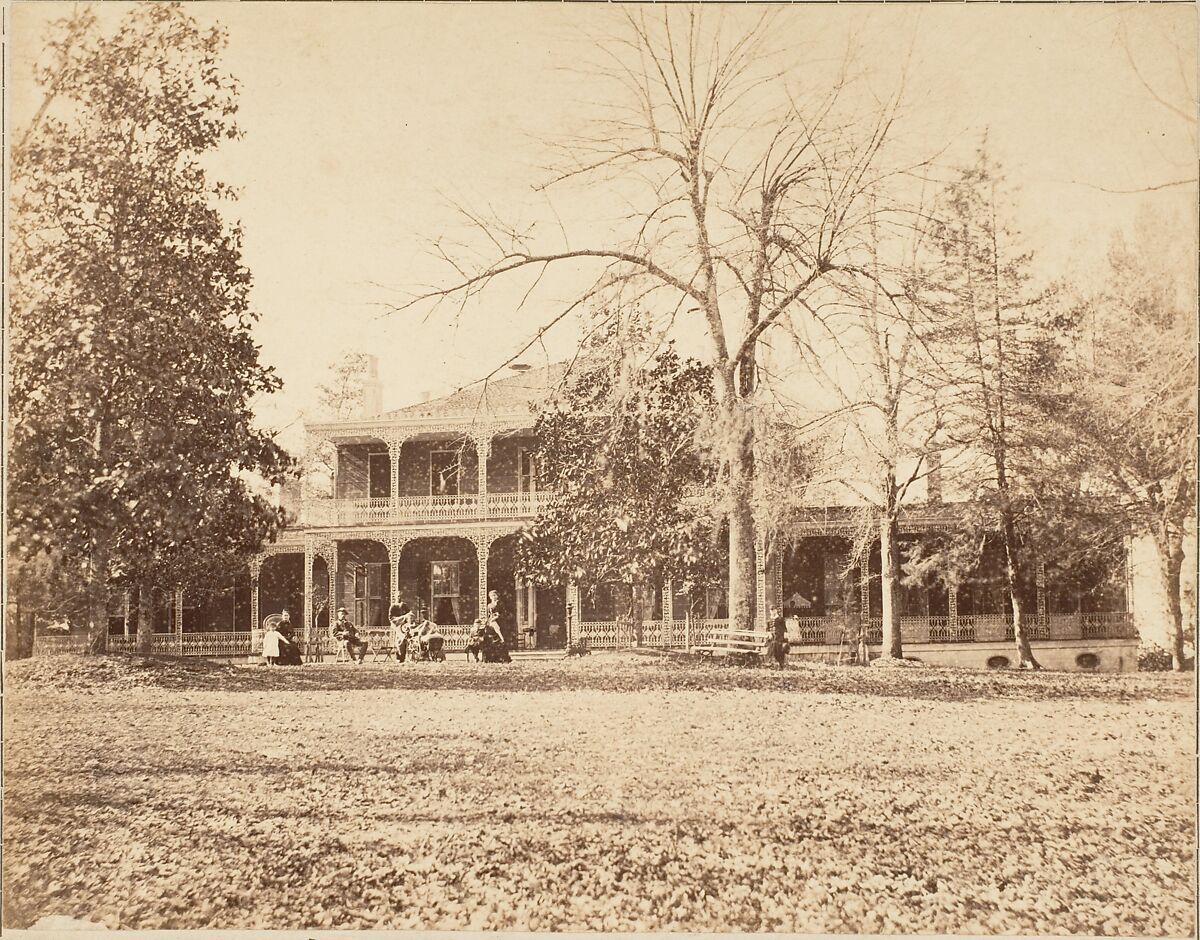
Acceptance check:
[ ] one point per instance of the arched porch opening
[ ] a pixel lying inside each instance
(820, 589)
(364, 582)
(531, 616)
(440, 574)
(219, 609)
(320, 596)
(281, 585)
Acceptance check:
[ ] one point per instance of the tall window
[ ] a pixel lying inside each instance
(445, 582)
(526, 471)
(443, 472)
(370, 594)
(379, 471)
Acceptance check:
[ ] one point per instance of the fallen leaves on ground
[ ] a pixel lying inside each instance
(609, 672)
(614, 792)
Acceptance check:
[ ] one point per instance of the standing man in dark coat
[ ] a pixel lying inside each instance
(779, 644)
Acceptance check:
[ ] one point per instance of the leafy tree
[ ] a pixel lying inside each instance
(1131, 422)
(618, 452)
(134, 458)
(999, 347)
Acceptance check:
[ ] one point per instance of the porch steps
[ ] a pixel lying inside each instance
(528, 655)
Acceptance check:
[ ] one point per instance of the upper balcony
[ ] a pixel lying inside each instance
(419, 510)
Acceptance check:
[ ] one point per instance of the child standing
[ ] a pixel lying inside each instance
(272, 639)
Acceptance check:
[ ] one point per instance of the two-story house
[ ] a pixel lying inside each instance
(427, 502)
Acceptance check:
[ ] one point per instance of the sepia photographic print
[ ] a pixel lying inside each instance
(600, 467)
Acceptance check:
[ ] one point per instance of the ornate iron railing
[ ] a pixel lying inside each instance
(167, 643)
(415, 509)
(814, 631)
(1116, 625)
(49, 645)
(659, 634)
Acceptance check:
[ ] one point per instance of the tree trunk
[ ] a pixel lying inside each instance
(889, 587)
(145, 619)
(1012, 580)
(97, 635)
(889, 569)
(1169, 544)
(742, 571)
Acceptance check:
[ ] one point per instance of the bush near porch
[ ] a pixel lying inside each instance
(613, 792)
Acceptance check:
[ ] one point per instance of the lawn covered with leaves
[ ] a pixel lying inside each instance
(614, 792)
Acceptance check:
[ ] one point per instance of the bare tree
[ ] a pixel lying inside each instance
(746, 193)
(888, 390)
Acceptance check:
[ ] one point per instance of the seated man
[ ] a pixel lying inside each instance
(400, 616)
(344, 631)
(429, 639)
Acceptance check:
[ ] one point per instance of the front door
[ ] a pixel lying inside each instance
(370, 594)
(526, 613)
(445, 592)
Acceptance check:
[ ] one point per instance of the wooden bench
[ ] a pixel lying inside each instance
(745, 646)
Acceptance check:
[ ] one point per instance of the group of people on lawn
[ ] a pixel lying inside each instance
(410, 630)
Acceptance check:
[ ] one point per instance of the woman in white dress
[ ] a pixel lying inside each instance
(272, 641)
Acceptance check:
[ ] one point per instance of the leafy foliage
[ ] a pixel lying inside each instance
(618, 451)
(134, 453)
(1129, 427)
(998, 352)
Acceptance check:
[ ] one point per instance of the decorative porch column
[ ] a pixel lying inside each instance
(394, 443)
(333, 569)
(309, 555)
(483, 547)
(1130, 607)
(573, 613)
(394, 545)
(760, 580)
(864, 591)
(1040, 581)
(179, 619)
(777, 580)
(127, 596)
(952, 608)
(483, 451)
(255, 573)
(668, 602)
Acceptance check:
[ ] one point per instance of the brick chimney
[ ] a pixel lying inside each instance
(933, 479)
(372, 388)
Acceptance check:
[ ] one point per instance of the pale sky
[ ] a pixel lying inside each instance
(361, 120)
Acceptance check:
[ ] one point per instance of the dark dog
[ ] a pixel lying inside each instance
(474, 648)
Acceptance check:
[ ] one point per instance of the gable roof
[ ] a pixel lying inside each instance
(504, 395)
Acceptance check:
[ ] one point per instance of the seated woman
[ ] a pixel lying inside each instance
(289, 650)
(495, 650)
